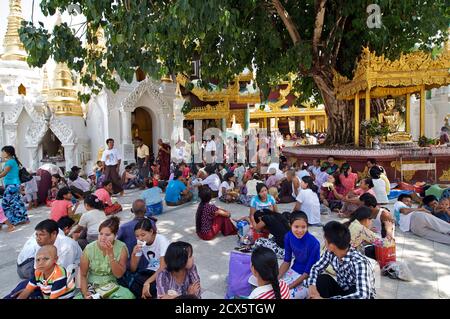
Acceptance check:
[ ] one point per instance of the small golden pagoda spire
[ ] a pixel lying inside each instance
(14, 49)
(63, 96)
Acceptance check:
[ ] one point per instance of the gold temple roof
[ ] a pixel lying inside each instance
(14, 49)
(384, 77)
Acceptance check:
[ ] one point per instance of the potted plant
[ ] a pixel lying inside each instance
(425, 141)
(375, 130)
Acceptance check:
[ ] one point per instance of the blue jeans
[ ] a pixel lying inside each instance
(155, 209)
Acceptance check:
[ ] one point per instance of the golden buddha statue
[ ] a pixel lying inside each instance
(395, 122)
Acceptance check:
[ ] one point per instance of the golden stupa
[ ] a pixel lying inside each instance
(63, 96)
(14, 49)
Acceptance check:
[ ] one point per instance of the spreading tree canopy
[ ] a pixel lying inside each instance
(308, 38)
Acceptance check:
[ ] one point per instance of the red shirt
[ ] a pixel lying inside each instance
(59, 209)
(270, 294)
(348, 182)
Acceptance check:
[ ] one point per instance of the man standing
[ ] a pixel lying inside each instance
(111, 164)
(211, 147)
(143, 155)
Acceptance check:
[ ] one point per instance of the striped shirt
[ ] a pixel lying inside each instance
(266, 292)
(56, 286)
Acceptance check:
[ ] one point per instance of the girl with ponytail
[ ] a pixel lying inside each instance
(12, 205)
(265, 269)
(308, 200)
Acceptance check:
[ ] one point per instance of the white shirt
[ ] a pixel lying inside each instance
(405, 220)
(310, 205)
(31, 186)
(92, 220)
(213, 181)
(379, 187)
(111, 157)
(80, 183)
(227, 187)
(69, 252)
(210, 146)
(52, 169)
(155, 251)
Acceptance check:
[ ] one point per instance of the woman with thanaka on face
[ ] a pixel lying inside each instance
(180, 277)
(104, 261)
(305, 248)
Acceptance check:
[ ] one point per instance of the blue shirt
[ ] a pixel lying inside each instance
(258, 204)
(173, 191)
(12, 178)
(306, 251)
(152, 196)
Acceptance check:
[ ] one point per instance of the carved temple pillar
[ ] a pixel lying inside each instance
(422, 111)
(10, 130)
(178, 118)
(356, 136)
(34, 158)
(69, 155)
(127, 142)
(408, 113)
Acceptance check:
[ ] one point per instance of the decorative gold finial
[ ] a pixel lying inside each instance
(63, 97)
(14, 49)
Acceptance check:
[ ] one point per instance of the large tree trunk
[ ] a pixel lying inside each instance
(340, 112)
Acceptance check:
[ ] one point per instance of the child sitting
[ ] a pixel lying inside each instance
(153, 199)
(180, 277)
(128, 179)
(104, 194)
(57, 184)
(62, 206)
(354, 272)
(442, 210)
(31, 188)
(49, 277)
(265, 269)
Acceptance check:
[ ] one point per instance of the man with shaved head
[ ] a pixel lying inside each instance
(126, 231)
(49, 277)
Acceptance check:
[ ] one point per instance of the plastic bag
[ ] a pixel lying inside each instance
(238, 274)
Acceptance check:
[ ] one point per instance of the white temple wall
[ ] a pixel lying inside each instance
(95, 120)
(22, 151)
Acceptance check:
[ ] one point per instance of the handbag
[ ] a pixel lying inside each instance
(24, 176)
(385, 255)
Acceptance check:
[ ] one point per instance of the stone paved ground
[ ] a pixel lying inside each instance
(428, 261)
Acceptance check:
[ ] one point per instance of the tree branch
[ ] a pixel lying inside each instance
(286, 18)
(320, 15)
(338, 44)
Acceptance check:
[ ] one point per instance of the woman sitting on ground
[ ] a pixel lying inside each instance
(104, 261)
(249, 190)
(347, 178)
(332, 193)
(212, 181)
(62, 206)
(57, 184)
(275, 224)
(210, 220)
(177, 193)
(305, 248)
(360, 225)
(265, 269)
(227, 193)
(379, 185)
(90, 221)
(351, 200)
(104, 194)
(147, 258)
(263, 200)
(129, 179)
(180, 277)
(308, 200)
